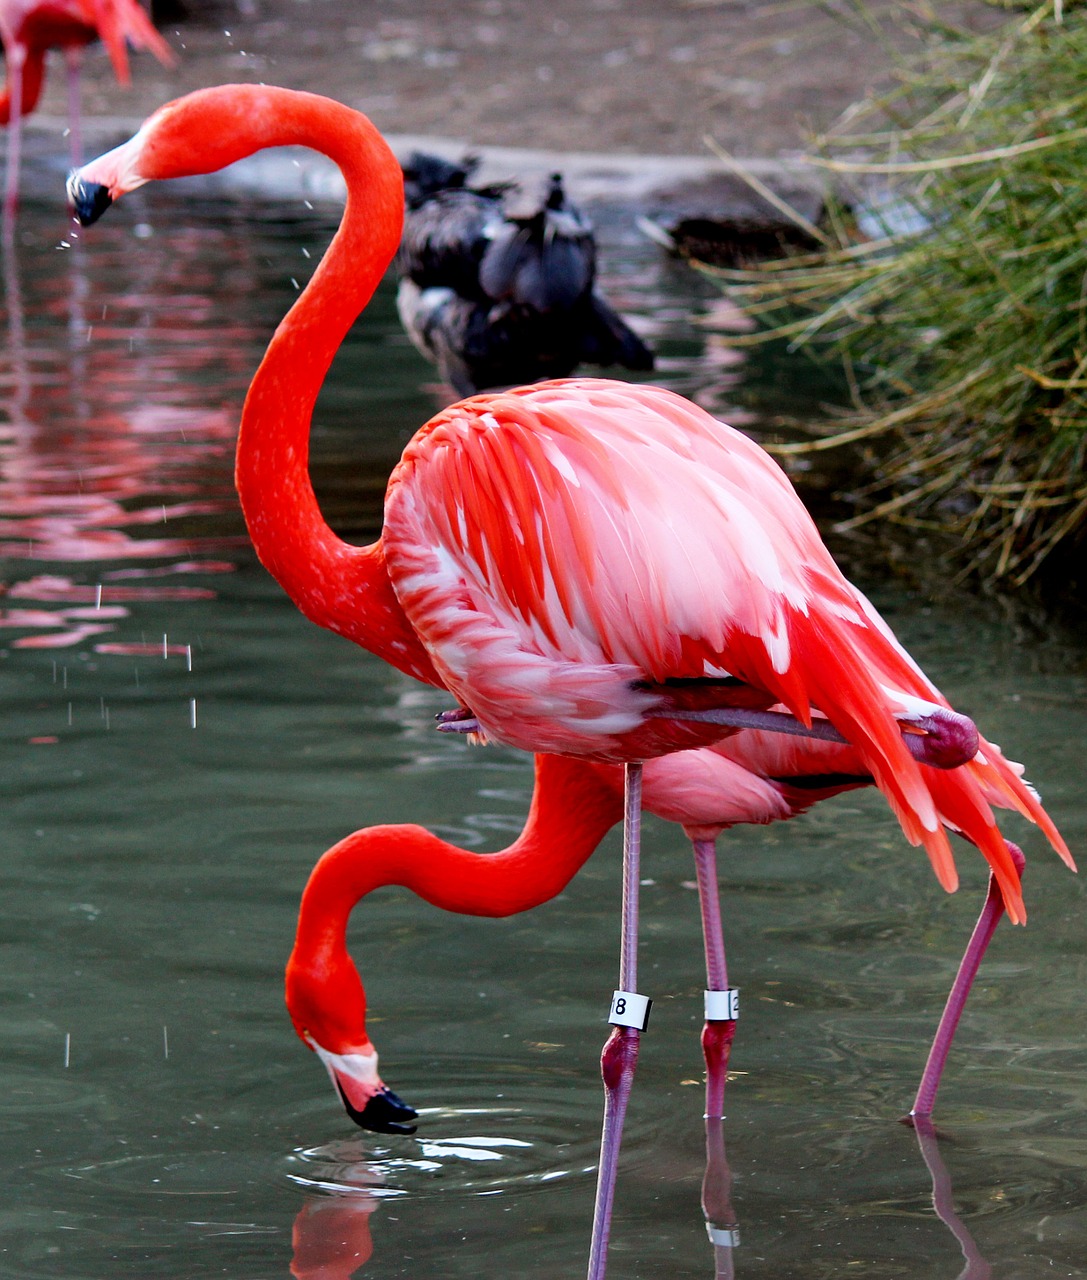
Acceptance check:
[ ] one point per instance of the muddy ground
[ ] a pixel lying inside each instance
(619, 77)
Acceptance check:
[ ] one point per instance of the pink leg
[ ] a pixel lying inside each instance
(620, 1053)
(960, 990)
(73, 55)
(717, 1033)
(15, 137)
(13, 297)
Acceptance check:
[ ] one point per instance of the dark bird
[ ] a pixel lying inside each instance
(494, 294)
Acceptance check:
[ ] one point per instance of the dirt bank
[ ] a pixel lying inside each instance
(612, 78)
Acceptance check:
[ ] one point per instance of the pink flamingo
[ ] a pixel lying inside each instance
(573, 805)
(752, 777)
(29, 28)
(592, 569)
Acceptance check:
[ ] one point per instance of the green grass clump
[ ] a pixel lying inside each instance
(963, 324)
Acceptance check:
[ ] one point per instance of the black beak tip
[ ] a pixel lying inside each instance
(88, 200)
(384, 1113)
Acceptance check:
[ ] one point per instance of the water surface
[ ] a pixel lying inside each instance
(180, 745)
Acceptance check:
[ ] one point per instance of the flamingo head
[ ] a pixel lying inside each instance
(162, 148)
(327, 1005)
(199, 133)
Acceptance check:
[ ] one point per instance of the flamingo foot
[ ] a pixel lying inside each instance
(942, 739)
(617, 1063)
(960, 990)
(946, 740)
(454, 720)
(384, 1112)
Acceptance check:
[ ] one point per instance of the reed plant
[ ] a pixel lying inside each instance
(959, 310)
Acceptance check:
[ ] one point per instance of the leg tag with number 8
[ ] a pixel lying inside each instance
(628, 1009)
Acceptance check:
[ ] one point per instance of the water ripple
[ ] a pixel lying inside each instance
(470, 1151)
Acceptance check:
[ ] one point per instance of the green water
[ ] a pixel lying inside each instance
(160, 1119)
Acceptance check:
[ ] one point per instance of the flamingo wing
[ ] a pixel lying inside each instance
(566, 540)
(561, 547)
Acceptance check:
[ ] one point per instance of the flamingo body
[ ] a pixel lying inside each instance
(570, 553)
(562, 548)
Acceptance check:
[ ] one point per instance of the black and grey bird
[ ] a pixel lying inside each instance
(496, 294)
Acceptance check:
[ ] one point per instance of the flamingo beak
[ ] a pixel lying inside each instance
(365, 1096)
(88, 200)
(382, 1112)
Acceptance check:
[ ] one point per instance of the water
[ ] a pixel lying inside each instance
(179, 746)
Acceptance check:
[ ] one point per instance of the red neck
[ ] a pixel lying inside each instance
(337, 585)
(572, 809)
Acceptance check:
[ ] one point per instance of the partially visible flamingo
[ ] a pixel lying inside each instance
(573, 805)
(590, 568)
(30, 28)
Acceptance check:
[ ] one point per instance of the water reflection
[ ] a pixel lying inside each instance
(943, 1201)
(92, 469)
(722, 1225)
(332, 1235)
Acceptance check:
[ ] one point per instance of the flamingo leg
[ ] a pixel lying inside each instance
(15, 60)
(943, 739)
(73, 56)
(717, 1033)
(986, 925)
(620, 1055)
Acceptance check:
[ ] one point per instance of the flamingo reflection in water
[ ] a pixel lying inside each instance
(593, 570)
(332, 1236)
(112, 451)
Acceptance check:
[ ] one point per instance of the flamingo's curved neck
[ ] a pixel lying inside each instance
(337, 585)
(572, 809)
